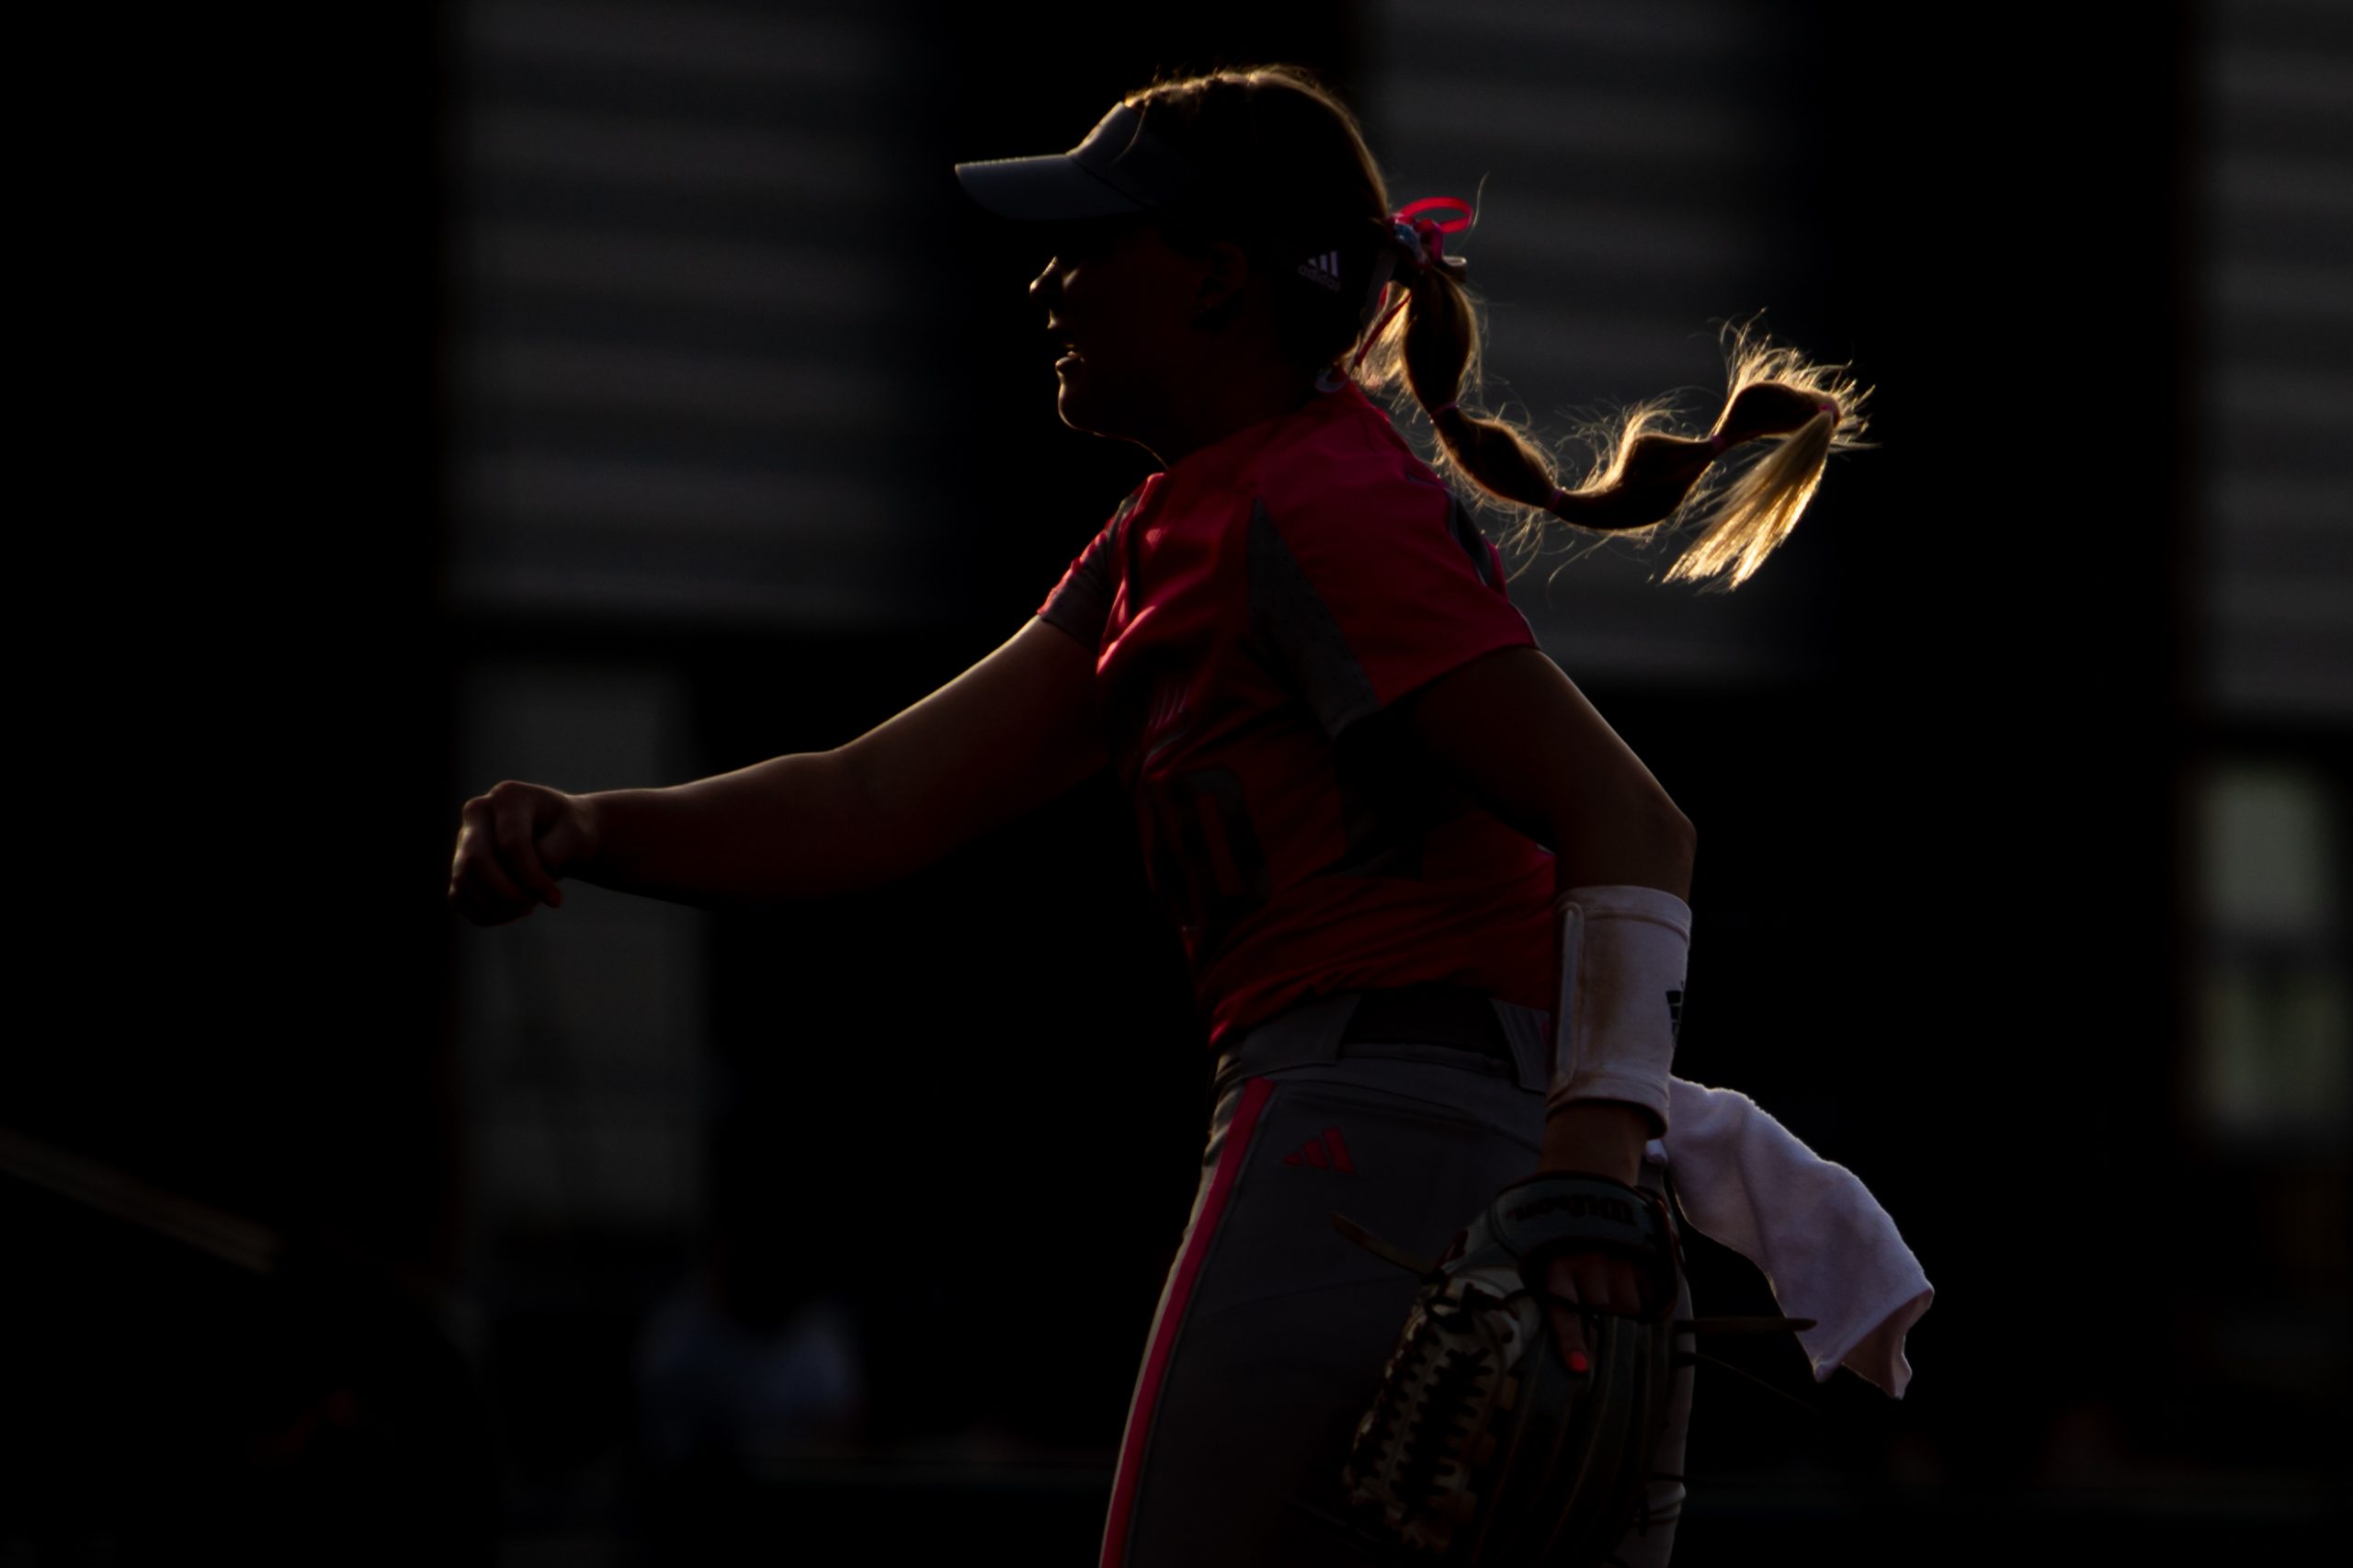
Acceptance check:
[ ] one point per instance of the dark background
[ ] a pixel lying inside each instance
(1959, 923)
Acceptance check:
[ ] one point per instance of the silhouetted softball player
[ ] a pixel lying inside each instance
(1379, 815)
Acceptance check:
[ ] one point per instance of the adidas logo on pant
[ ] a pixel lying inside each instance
(1324, 269)
(1328, 1150)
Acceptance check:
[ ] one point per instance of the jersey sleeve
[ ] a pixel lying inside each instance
(1359, 599)
(1081, 603)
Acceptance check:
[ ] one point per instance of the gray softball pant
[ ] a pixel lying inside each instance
(1272, 1328)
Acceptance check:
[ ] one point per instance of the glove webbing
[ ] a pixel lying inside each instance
(1561, 1474)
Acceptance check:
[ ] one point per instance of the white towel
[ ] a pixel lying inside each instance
(1827, 1249)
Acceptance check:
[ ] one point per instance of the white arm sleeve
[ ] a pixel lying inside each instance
(1623, 954)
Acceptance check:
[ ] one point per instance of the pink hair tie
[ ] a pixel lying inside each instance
(1443, 408)
(1717, 443)
(1560, 493)
(1832, 409)
(1424, 239)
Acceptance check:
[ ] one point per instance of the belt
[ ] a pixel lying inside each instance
(1454, 1015)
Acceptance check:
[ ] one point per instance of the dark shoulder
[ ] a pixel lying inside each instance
(1352, 478)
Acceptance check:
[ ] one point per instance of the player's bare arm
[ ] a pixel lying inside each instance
(1012, 731)
(1520, 739)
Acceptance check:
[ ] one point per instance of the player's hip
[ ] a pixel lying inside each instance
(1274, 1324)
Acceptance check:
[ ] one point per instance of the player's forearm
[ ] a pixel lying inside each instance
(1605, 1137)
(789, 827)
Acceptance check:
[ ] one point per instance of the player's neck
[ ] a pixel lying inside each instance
(1227, 406)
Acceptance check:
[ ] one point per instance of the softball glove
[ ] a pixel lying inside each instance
(1483, 1447)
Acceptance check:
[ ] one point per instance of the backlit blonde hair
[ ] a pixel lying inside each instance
(1293, 173)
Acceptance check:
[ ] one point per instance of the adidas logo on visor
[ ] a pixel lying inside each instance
(1324, 269)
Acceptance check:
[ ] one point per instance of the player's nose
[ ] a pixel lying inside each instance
(1047, 287)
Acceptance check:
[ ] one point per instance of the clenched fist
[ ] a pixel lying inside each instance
(513, 845)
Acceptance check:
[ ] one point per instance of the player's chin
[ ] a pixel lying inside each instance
(1077, 403)
(1093, 405)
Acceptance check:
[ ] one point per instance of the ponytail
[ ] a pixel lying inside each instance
(1381, 299)
(1647, 480)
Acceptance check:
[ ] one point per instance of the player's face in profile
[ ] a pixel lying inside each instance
(1118, 300)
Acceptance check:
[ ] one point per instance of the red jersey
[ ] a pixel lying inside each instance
(1253, 610)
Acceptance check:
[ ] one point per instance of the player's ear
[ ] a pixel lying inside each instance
(1225, 271)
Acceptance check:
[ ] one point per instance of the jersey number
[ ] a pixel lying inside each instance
(1210, 857)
